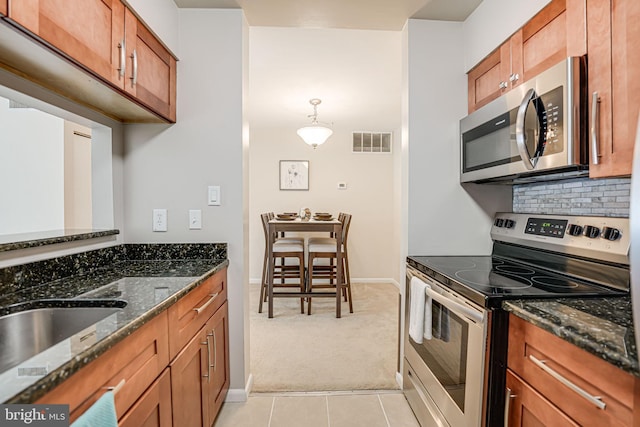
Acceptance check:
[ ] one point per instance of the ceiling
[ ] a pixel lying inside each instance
(346, 14)
(356, 75)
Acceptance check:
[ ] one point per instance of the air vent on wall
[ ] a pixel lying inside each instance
(372, 142)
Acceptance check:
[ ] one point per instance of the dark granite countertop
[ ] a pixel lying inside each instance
(147, 286)
(11, 242)
(601, 326)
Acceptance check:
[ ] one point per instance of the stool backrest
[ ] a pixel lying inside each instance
(345, 219)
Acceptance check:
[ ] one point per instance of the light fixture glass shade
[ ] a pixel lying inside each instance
(314, 135)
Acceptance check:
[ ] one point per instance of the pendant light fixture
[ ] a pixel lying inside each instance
(315, 134)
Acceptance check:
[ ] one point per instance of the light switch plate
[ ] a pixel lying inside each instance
(342, 186)
(159, 220)
(213, 195)
(195, 219)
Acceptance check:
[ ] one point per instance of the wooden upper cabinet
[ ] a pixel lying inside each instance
(556, 32)
(106, 39)
(151, 69)
(613, 35)
(90, 32)
(3, 7)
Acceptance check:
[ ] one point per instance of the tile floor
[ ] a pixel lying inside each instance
(334, 409)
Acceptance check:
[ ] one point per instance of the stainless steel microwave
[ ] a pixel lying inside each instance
(536, 129)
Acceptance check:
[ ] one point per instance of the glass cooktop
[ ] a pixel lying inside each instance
(488, 280)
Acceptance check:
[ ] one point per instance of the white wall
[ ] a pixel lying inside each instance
(162, 18)
(368, 197)
(443, 217)
(493, 22)
(170, 166)
(107, 184)
(32, 153)
(342, 67)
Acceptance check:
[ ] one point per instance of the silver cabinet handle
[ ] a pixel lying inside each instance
(208, 374)
(503, 85)
(123, 61)
(206, 304)
(596, 400)
(514, 77)
(521, 140)
(507, 406)
(595, 128)
(134, 74)
(215, 356)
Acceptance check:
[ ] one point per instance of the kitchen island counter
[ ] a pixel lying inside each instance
(600, 326)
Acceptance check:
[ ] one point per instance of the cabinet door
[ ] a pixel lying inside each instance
(529, 408)
(153, 408)
(151, 69)
(487, 80)
(90, 32)
(3, 7)
(613, 35)
(217, 334)
(189, 382)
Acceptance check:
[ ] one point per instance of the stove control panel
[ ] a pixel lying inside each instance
(606, 238)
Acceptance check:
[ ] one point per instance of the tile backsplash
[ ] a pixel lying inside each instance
(578, 196)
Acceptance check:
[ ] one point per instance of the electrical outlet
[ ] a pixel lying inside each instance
(159, 220)
(195, 219)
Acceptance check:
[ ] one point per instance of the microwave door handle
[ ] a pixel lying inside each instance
(521, 140)
(454, 306)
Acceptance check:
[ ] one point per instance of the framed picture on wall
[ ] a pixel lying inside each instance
(294, 175)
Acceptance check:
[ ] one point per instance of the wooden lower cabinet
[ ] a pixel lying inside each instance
(200, 374)
(138, 360)
(160, 390)
(548, 374)
(153, 409)
(527, 407)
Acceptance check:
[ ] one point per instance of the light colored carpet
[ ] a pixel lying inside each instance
(297, 352)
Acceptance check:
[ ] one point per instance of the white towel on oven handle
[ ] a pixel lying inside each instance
(419, 311)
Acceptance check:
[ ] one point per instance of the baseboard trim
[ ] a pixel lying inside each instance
(399, 379)
(238, 394)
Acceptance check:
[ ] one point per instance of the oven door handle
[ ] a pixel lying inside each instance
(455, 307)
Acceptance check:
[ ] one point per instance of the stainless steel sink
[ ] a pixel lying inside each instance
(27, 333)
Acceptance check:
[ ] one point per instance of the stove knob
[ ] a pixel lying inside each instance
(574, 230)
(611, 233)
(591, 232)
(509, 223)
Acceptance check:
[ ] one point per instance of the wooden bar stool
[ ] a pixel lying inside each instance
(325, 248)
(287, 263)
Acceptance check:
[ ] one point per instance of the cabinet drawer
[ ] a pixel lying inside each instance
(189, 315)
(138, 360)
(530, 345)
(527, 407)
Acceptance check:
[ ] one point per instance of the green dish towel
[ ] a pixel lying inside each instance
(101, 414)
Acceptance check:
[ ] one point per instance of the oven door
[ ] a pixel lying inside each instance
(447, 369)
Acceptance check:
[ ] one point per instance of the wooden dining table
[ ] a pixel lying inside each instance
(277, 226)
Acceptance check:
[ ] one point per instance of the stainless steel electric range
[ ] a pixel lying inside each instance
(454, 373)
